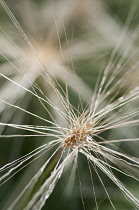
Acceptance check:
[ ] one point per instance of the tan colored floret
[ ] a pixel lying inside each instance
(78, 135)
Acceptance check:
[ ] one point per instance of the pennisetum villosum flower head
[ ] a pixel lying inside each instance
(88, 142)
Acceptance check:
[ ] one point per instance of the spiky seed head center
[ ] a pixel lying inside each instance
(77, 136)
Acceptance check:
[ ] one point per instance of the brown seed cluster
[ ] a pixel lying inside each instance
(77, 136)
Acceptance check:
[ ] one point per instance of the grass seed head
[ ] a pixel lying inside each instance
(78, 135)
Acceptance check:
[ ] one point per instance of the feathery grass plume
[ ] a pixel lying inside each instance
(80, 151)
(55, 34)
